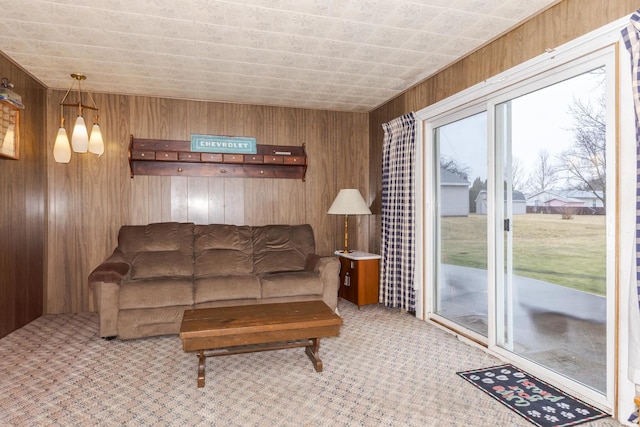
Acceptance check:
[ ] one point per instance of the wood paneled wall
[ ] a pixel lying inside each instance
(78, 208)
(22, 209)
(91, 197)
(557, 25)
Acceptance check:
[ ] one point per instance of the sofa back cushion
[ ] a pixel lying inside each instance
(158, 250)
(281, 247)
(222, 249)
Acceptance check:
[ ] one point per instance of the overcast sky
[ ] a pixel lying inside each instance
(540, 120)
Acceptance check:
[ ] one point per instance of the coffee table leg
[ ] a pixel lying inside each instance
(313, 351)
(201, 360)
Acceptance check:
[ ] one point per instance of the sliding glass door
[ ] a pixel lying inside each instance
(522, 223)
(554, 289)
(461, 177)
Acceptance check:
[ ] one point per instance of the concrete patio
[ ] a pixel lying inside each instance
(561, 328)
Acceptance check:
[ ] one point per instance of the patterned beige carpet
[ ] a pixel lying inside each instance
(386, 368)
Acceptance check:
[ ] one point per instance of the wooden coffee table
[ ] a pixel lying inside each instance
(224, 331)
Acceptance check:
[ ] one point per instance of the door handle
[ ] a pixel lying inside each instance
(507, 225)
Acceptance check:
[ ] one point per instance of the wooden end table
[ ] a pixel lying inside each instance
(359, 277)
(224, 331)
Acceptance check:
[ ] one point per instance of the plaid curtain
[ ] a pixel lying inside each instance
(631, 37)
(398, 213)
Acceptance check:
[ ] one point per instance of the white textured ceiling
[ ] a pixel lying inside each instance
(349, 55)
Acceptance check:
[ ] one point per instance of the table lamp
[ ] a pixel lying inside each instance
(348, 202)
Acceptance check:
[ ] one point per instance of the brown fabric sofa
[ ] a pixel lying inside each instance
(159, 270)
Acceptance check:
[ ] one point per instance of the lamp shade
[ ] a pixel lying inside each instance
(80, 136)
(96, 144)
(61, 149)
(349, 202)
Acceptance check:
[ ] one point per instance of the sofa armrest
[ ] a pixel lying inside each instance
(328, 267)
(105, 281)
(112, 270)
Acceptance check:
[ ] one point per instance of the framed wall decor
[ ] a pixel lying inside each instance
(9, 129)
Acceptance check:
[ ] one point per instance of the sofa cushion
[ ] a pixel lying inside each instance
(161, 264)
(281, 247)
(222, 249)
(164, 236)
(291, 283)
(157, 292)
(226, 287)
(158, 250)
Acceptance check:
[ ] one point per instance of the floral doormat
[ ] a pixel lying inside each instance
(540, 403)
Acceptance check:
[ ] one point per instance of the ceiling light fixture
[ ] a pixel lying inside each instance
(80, 141)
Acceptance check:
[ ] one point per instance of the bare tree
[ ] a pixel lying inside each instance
(585, 161)
(454, 167)
(518, 177)
(545, 174)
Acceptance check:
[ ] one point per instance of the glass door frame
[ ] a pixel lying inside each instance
(485, 96)
(605, 57)
(432, 156)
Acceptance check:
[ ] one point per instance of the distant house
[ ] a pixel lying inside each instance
(589, 199)
(519, 203)
(552, 201)
(454, 193)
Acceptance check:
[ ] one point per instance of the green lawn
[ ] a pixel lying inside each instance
(546, 247)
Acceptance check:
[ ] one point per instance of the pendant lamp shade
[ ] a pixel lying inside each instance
(61, 148)
(96, 144)
(80, 137)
